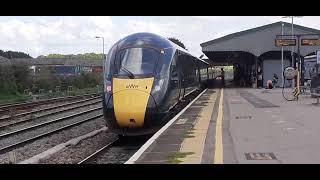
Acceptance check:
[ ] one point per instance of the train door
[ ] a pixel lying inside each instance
(174, 80)
(181, 79)
(199, 72)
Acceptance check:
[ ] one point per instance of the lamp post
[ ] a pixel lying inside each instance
(292, 54)
(98, 37)
(282, 80)
(103, 57)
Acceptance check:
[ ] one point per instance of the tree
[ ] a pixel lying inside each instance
(7, 79)
(22, 76)
(14, 54)
(177, 42)
(89, 56)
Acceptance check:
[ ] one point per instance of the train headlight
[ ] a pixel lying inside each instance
(157, 86)
(108, 87)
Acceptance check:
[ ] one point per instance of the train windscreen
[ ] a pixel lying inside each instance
(136, 61)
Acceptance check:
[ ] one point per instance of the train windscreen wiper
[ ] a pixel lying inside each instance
(130, 74)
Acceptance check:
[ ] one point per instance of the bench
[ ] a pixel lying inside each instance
(315, 88)
(316, 93)
(306, 87)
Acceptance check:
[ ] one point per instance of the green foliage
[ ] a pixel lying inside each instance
(7, 79)
(5, 98)
(177, 42)
(14, 54)
(23, 79)
(55, 56)
(48, 81)
(90, 56)
(174, 157)
(17, 78)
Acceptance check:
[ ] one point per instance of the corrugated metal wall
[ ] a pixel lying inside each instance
(271, 67)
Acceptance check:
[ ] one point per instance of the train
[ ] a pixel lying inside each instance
(145, 77)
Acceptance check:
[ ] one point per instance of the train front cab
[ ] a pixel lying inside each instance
(134, 83)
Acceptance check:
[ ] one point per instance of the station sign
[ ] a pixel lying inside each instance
(310, 42)
(285, 42)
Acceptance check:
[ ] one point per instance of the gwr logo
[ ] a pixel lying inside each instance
(131, 86)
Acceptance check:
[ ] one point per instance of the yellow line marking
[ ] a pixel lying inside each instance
(218, 154)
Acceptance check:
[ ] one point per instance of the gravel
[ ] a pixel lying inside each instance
(119, 153)
(43, 144)
(47, 118)
(74, 154)
(72, 142)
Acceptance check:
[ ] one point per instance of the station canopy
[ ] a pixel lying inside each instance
(246, 46)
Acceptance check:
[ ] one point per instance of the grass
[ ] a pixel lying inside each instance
(189, 133)
(174, 158)
(13, 98)
(85, 91)
(74, 92)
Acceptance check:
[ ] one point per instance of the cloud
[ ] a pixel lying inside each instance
(72, 35)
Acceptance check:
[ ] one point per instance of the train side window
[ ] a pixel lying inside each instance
(174, 70)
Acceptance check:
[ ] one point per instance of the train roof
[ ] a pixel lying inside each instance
(145, 39)
(185, 51)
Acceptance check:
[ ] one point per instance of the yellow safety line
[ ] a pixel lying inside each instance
(218, 154)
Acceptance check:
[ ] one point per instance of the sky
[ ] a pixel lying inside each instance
(43, 35)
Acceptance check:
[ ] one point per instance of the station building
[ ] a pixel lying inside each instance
(253, 52)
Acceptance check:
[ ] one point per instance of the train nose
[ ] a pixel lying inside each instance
(130, 107)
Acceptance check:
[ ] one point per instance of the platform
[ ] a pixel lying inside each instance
(244, 125)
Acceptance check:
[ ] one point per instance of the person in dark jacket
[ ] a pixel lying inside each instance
(222, 77)
(275, 79)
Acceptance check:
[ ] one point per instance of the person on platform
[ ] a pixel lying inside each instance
(222, 76)
(275, 79)
(269, 84)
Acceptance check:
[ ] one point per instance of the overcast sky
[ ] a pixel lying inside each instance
(43, 35)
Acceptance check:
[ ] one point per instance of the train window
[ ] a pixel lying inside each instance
(139, 61)
(174, 70)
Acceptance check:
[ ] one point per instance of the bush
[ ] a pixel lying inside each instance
(23, 78)
(47, 80)
(16, 78)
(7, 79)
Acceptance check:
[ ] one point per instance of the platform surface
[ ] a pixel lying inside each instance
(244, 125)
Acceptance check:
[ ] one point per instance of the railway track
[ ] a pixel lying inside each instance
(90, 159)
(117, 151)
(31, 118)
(12, 146)
(20, 106)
